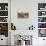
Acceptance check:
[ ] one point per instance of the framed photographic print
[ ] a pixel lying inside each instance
(23, 14)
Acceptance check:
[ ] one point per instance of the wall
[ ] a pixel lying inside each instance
(23, 24)
(31, 6)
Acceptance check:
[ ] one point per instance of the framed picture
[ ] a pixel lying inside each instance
(23, 14)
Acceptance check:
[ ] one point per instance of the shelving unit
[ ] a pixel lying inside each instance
(4, 19)
(3, 10)
(42, 19)
(41, 10)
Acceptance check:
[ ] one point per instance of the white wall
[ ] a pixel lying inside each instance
(23, 24)
(31, 6)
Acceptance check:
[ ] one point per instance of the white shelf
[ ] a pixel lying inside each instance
(41, 10)
(41, 28)
(3, 16)
(3, 22)
(41, 22)
(42, 16)
(3, 10)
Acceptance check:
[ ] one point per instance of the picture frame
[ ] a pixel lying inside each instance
(23, 13)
